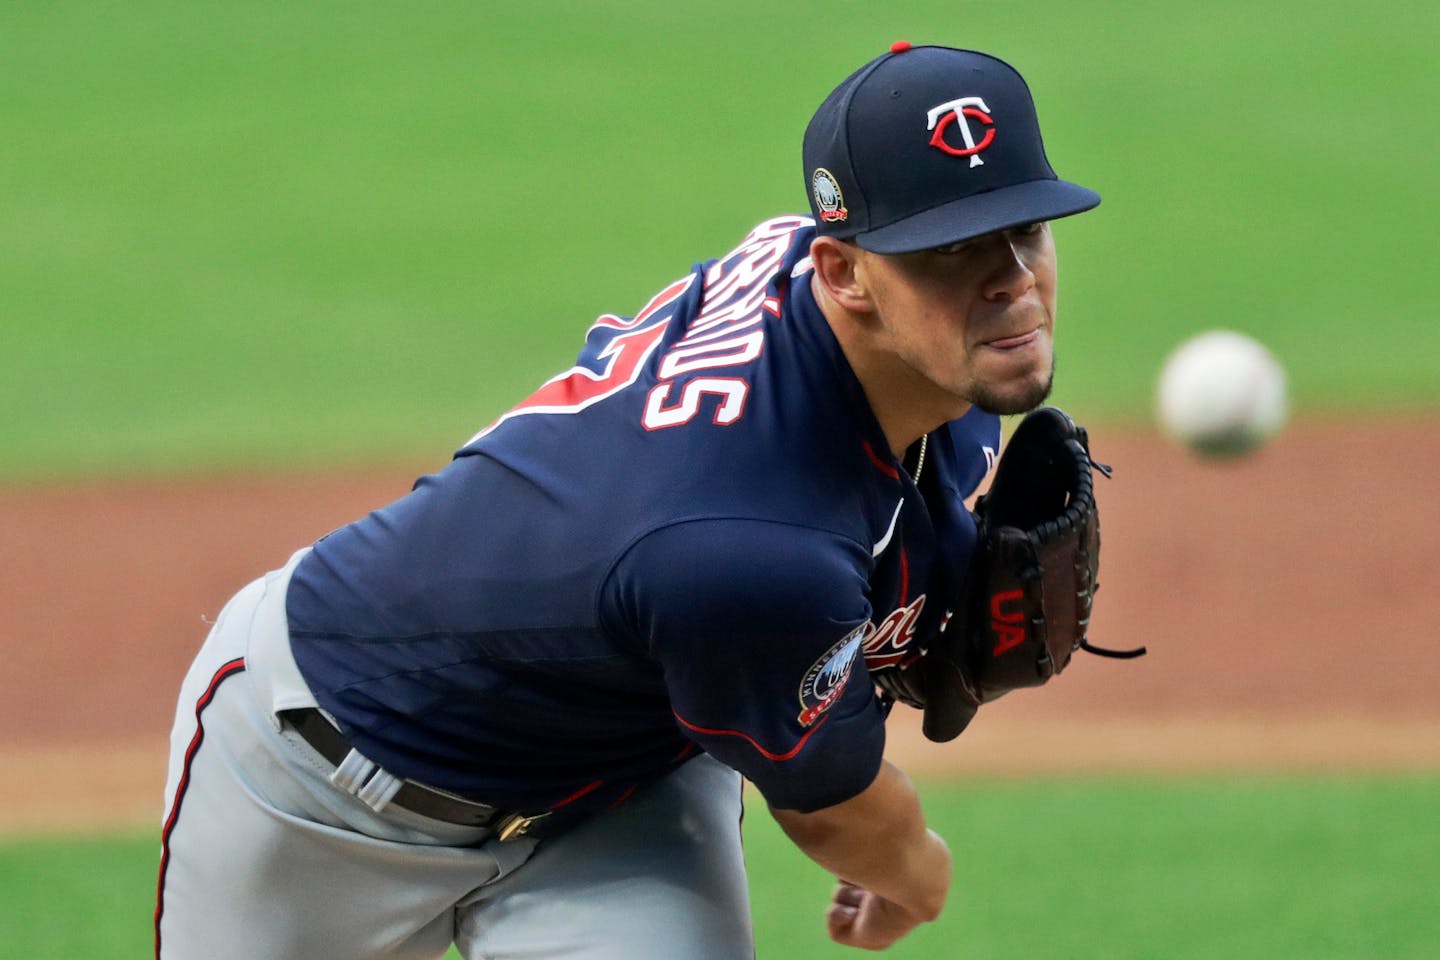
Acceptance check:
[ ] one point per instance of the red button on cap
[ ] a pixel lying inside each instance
(900, 46)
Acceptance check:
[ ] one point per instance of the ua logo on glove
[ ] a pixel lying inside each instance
(1009, 626)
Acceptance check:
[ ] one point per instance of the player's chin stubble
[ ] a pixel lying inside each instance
(1020, 398)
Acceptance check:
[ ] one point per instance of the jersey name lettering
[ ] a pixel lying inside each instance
(731, 391)
(727, 332)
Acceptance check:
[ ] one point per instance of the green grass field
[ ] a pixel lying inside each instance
(268, 234)
(1232, 869)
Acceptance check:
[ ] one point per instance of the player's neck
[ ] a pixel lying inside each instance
(904, 403)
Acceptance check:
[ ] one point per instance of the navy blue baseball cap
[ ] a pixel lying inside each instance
(925, 146)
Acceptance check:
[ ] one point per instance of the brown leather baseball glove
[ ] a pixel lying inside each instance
(1032, 581)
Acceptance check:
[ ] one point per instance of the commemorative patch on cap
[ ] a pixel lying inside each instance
(826, 678)
(828, 198)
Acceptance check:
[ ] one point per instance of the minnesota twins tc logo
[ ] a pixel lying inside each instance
(953, 113)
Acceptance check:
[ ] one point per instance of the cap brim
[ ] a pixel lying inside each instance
(980, 214)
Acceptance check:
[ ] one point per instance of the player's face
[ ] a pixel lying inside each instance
(975, 319)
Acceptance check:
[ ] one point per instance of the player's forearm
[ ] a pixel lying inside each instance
(878, 840)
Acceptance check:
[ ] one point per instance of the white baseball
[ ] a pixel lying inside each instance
(1222, 394)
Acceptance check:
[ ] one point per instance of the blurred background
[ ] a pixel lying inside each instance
(272, 233)
(262, 263)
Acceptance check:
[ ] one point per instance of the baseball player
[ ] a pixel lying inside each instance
(512, 710)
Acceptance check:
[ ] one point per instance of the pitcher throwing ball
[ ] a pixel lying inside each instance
(512, 710)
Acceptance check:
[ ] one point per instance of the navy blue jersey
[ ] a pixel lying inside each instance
(695, 538)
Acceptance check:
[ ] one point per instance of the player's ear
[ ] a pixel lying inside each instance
(837, 269)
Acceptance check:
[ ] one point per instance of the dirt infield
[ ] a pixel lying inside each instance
(1290, 603)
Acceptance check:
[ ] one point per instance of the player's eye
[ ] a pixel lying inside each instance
(958, 246)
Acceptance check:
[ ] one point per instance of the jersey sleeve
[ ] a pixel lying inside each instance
(757, 626)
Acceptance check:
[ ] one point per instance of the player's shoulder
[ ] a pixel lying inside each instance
(970, 447)
(977, 428)
(737, 569)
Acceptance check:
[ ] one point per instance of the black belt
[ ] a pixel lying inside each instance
(315, 729)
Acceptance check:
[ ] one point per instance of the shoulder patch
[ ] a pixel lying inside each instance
(827, 676)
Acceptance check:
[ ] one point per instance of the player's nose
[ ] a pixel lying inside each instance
(1009, 276)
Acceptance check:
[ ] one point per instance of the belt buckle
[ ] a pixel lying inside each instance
(513, 826)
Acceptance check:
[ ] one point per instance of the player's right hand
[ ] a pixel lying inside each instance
(859, 918)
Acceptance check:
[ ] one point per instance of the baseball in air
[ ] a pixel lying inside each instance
(1222, 394)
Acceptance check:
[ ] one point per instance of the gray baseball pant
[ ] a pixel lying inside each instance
(263, 856)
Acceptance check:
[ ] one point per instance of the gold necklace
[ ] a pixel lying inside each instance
(920, 459)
